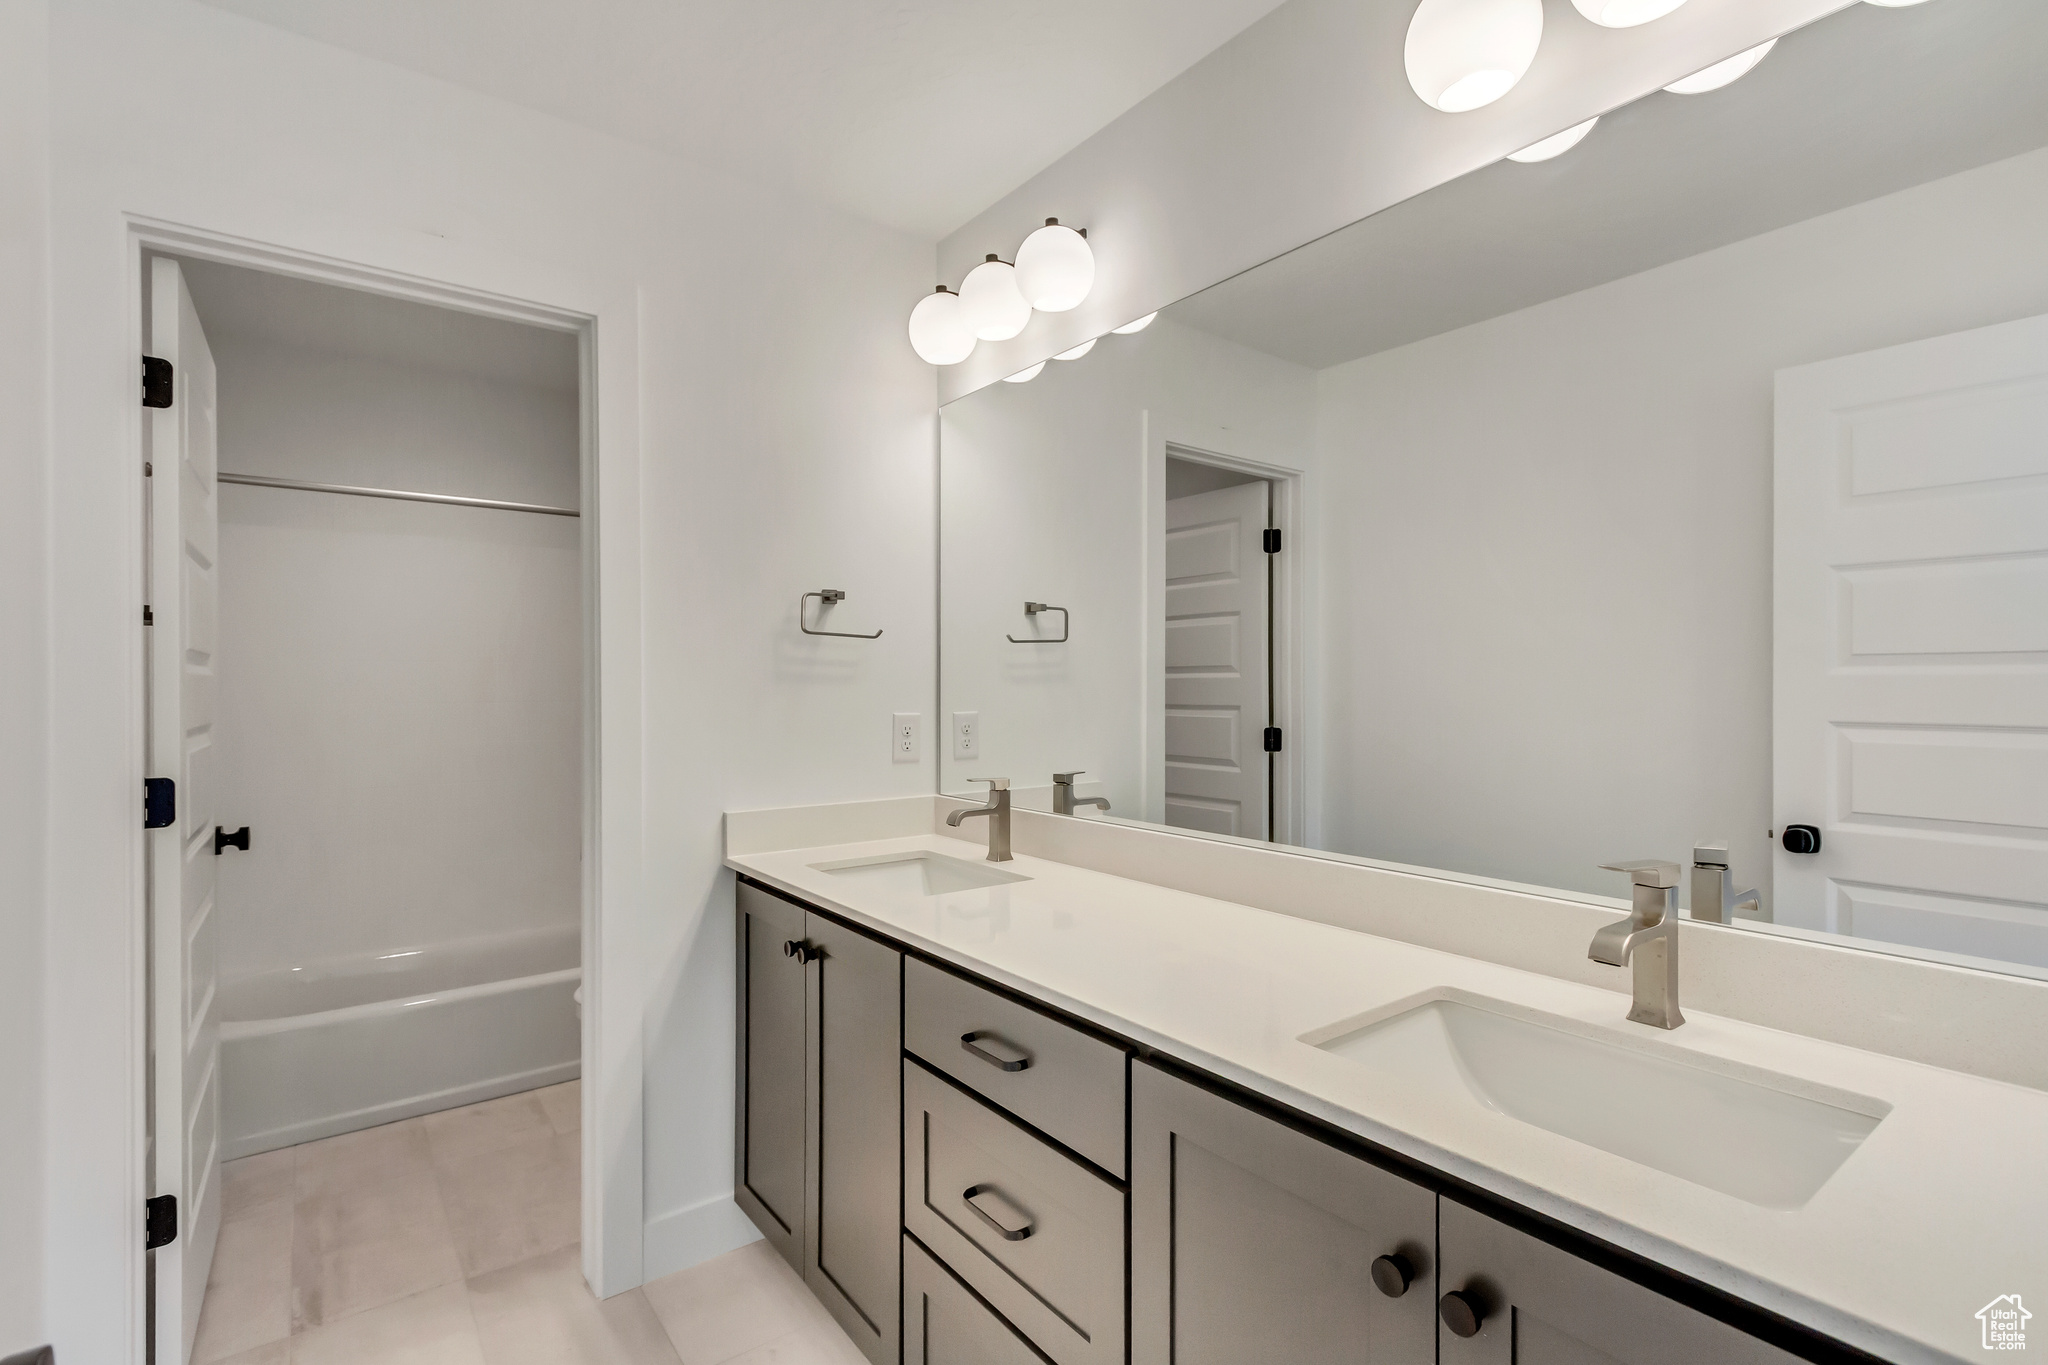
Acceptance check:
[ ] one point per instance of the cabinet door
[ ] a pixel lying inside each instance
(854, 1201)
(1537, 1304)
(769, 1141)
(1251, 1241)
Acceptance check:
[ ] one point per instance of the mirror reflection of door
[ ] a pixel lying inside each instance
(1219, 650)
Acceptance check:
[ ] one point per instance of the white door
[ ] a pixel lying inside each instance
(1218, 681)
(1912, 642)
(184, 595)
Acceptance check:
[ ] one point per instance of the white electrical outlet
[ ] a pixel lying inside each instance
(904, 737)
(967, 735)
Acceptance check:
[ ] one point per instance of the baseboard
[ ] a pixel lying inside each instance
(330, 1125)
(693, 1234)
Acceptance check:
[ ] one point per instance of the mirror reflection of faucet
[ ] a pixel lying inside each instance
(1714, 898)
(1063, 798)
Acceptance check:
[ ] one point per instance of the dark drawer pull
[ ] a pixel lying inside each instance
(1002, 1201)
(1017, 1059)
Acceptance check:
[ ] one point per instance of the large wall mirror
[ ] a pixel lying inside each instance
(1672, 492)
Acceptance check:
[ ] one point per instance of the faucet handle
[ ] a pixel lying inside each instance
(1068, 778)
(1647, 872)
(1710, 855)
(995, 784)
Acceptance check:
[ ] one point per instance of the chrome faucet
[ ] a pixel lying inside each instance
(998, 812)
(1649, 939)
(1713, 897)
(1063, 801)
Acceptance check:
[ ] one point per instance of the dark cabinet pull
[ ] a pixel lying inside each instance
(1461, 1313)
(1016, 1061)
(1392, 1274)
(803, 952)
(1017, 1215)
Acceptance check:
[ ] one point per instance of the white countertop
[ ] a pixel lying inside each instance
(1943, 1208)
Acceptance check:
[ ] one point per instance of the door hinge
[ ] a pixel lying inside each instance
(159, 1221)
(1272, 540)
(1272, 739)
(156, 382)
(148, 617)
(159, 802)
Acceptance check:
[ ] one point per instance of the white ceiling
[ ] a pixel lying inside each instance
(257, 308)
(1864, 103)
(914, 113)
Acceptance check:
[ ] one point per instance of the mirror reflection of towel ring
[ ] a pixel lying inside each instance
(827, 596)
(1066, 624)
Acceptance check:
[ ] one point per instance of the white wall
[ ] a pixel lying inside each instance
(761, 427)
(1049, 493)
(1298, 126)
(24, 658)
(1549, 611)
(401, 683)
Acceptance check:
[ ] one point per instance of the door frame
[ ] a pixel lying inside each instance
(609, 478)
(1290, 585)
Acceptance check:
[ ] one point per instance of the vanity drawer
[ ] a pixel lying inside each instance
(1035, 1232)
(1054, 1077)
(944, 1324)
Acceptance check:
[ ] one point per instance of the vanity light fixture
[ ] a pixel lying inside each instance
(1055, 267)
(1722, 73)
(1625, 13)
(938, 329)
(1024, 376)
(1132, 327)
(1557, 144)
(1462, 54)
(990, 301)
(1083, 349)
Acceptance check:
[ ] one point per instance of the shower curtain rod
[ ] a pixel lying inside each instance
(302, 485)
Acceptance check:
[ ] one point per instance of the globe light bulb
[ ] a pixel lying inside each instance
(1083, 349)
(1625, 13)
(1722, 73)
(1055, 268)
(1132, 327)
(989, 297)
(1555, 145)
(1024, 376)
(1462, 54)
(938, 329)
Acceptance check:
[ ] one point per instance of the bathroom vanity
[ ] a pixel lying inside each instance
(1014, 1110)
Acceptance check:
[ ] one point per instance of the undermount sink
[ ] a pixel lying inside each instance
(1767, 1139)
(920, 874)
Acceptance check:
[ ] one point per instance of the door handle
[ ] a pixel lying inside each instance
(1017, 1060)
(224, 840)
(1019, 1225)
(1801, 839)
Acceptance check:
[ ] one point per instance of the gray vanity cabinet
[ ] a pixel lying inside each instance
(820, 1038)
(1535, 1304)
(1253, 1241)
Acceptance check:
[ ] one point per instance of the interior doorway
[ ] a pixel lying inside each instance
(1221, 733)
(368, 672)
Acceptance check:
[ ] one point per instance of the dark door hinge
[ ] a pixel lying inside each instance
(224, 840)
(148, 617)
(156, 382)
(1272, 540)
(159, 1221)
(159, 802)
(1272, 739)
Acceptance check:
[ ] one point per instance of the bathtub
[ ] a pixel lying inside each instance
(331, 1046)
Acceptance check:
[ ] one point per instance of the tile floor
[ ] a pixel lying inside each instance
(450, 1239)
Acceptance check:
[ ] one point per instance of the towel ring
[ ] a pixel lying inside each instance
(827, 596)
(1066, 624)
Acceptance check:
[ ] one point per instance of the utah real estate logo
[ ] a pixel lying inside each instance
(2005, 1323)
